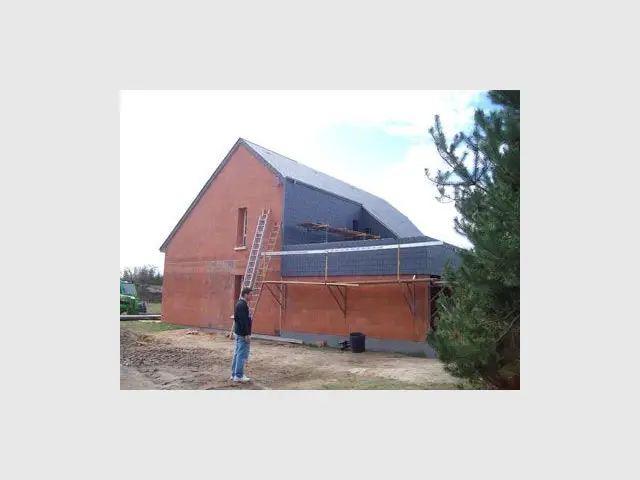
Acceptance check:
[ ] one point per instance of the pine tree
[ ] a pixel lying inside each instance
(478, 325)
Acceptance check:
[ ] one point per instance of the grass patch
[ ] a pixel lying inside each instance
(154, 308)
(149, 326)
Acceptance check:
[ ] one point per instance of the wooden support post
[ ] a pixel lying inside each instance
(326, 266)
(398, 262)
(282, 306)
(412, 287)
(345, 303)
(284, 297)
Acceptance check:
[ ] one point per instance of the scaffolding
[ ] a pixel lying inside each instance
(345, 232)
(338, 290)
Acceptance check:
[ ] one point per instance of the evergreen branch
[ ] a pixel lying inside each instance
(515, 319)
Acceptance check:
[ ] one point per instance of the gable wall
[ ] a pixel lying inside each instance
(201, 260)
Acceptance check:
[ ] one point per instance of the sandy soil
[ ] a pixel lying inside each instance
(189, 360)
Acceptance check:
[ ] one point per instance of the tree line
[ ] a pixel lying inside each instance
(142, 275)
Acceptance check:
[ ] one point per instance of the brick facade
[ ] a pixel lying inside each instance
(203, 263)
(379, 311)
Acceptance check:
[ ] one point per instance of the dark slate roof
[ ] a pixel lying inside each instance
(287, 168)
(419, 260)
(381, 210)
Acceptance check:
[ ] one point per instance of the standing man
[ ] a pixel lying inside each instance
(242, 329)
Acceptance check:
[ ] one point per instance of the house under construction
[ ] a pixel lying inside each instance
(324, 258)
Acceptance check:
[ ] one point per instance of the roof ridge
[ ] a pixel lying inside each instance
(380, 209)
(317, 171)
(384, 212)
(270, 151)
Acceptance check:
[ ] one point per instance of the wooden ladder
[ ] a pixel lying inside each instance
(263, 268)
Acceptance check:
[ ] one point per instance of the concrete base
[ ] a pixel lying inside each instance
(422, 349)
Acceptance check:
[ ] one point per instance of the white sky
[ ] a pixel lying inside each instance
(171, 142)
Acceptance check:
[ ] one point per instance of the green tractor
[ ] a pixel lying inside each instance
(129, 301)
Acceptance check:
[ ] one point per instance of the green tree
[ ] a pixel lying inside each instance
(478, 328)
(143, 275)
(127, 275)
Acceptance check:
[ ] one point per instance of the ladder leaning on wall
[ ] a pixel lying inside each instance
(263, 268)
(257, 268)
(256, 248)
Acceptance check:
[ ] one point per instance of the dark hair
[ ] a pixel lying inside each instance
(245, 290)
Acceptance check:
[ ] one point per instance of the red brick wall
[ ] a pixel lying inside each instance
(195, 293)
(379, 311)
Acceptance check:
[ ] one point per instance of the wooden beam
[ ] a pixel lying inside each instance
(340, 231)
(343, 308)
(296, 282)
(359, 284)
(401, 280)
(276, 339)
(275, 297)
(411, 298)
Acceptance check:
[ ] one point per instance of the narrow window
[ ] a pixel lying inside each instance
(242, 228)
(355, 226)
(237, 288)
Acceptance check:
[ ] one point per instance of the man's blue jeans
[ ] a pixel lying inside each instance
(240, 356)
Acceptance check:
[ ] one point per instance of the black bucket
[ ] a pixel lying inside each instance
(357, 342)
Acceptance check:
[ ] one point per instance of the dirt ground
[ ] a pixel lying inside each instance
(191, 360)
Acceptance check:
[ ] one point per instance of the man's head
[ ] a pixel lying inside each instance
(246, 291)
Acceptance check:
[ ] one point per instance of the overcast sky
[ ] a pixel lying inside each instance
(172, 141)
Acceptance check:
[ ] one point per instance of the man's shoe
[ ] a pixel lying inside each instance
(243, 379)
(232, 378)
